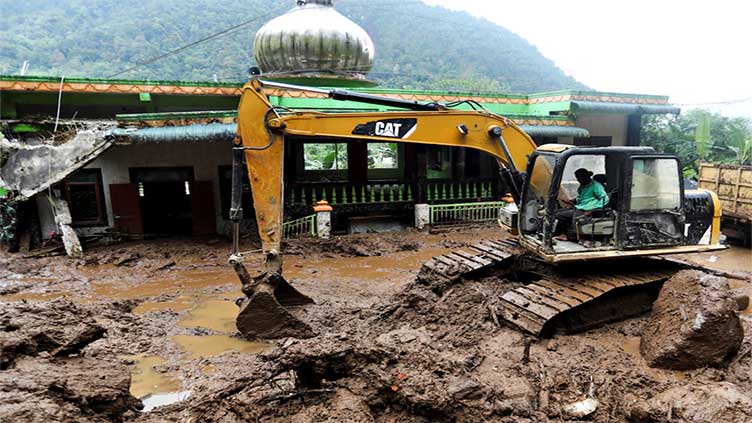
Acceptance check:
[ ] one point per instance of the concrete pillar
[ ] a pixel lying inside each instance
(323, 219)
(422, 216)
(70, 237)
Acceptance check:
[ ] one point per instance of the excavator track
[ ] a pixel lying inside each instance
(555, 298)
(562, 303)
(457, 264)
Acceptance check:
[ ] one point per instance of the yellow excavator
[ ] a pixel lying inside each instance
(608, 267)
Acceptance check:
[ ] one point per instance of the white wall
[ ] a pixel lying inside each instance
(203, 157)
(614, 126)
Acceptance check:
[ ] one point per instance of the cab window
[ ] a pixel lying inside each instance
(595, 163)
(655, 184)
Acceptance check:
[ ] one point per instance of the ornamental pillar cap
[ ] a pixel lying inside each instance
(322, 206)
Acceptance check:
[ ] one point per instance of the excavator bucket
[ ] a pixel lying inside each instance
(263, 313)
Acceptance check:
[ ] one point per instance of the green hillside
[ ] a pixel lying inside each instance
(417, 46)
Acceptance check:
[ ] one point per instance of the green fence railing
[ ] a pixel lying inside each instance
(448, 214)
(380, 193)
(351, 194)
(447, 190)
(299, 227)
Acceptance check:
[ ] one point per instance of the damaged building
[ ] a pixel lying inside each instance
(145, 157)
(154, 157)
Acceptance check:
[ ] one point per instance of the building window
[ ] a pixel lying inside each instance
(325, 157)
(383, 155)
(83, 192)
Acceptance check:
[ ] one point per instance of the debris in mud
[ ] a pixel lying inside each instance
(714, 402)
(693, 324)
(128, 260)
(580, 409)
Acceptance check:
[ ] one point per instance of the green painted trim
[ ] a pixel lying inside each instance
(549, 108)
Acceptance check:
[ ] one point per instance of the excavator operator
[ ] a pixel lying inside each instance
(591, 195)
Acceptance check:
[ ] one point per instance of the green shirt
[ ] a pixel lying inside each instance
(591, 196)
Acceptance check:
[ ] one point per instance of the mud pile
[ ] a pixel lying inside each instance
(45, 375)
(713, 402)
(424, 357)
(693, 324)
(358, 245)
(56, 329)
(417, 357)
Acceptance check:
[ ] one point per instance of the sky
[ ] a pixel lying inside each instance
(696, 52)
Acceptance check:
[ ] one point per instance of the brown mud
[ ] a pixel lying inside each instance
(388, 349)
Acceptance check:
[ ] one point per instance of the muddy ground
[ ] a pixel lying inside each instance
(85, 339)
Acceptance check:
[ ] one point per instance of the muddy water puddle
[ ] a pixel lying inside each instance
(361, 268)
(209, 346)
(145, 380)
(217, 315)
(177, 282)
(732, 259)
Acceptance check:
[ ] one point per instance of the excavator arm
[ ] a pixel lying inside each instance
(262, 130)
(260, 144)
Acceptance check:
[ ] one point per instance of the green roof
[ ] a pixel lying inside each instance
(553, 107)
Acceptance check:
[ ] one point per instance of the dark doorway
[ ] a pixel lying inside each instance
(165, 197)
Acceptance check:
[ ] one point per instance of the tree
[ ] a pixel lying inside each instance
(700, 135)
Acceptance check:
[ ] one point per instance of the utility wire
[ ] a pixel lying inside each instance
(213, 36)
(193, 44)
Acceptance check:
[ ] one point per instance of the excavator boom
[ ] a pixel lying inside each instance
(262, 129)
(260, 144)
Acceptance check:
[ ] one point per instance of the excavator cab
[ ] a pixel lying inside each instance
(647, 211)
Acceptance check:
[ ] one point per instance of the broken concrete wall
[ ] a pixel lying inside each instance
(32, 168)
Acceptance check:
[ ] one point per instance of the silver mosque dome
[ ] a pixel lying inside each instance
(314, 44)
